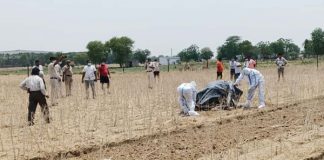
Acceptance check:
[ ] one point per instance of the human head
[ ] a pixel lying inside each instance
(279, 55)
(155, 60)
(235, 58)
(37, 62)
(88, 62)
(68, 62)
(149, 59)
(103, 61)
(52, 58)
(219, 59)
(35, 71)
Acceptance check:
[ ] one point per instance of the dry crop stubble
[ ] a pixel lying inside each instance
(131, 109)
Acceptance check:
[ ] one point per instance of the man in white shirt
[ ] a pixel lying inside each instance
(232, 66)
(37, 95)
(40, 67)
(149, 66)
(256, 80)
(54, 79)
(89, 76)
(187, 98)
(156, 70)
(237, 69)
(59, 70)
(281, 62)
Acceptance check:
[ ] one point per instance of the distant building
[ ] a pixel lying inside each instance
(172, 60)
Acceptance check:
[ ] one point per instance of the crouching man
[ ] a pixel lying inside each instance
(256, 80)
(187, 98)
(37, 94)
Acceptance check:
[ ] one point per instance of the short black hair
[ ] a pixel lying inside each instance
(35, 71)
(88, 61)
(220, 59)
(149, 59)
(155, 60)
(52, 58)
(36, 61)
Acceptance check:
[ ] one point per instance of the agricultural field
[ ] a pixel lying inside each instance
(134, 122)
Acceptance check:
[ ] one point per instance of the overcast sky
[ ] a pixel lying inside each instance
(157, 25)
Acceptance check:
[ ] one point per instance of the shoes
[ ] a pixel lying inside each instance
(261, 106)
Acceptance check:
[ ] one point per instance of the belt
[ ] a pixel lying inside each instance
(53, 78)
(69, 75)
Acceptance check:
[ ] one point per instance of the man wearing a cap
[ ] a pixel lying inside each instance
(187, 98)
(67, 77)
(37, 95)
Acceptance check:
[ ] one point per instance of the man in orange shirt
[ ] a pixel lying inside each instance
(220, 68)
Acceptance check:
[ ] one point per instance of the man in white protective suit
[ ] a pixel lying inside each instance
(256, 80)
(187, 98)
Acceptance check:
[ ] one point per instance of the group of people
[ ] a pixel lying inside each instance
(36, 87)
(153, 71)
(187, 91)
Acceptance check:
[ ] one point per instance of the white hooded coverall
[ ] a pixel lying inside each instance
(256, 80)
(187, 98)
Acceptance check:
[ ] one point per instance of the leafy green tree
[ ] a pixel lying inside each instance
(246, 48)
(121, 49)
(206, 54)
(318, 42)
(230, 48)
(264, 49)
(96, 51)
(80, 58)
(141, 55)
(308, 48)
(190, 53)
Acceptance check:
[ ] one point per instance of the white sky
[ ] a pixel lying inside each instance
(68, 25)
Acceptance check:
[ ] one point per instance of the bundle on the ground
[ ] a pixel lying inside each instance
(218, 93)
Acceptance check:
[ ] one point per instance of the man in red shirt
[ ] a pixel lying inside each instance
(220, 68)
(104, 74)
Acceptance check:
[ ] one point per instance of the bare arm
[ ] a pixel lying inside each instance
(83, 73)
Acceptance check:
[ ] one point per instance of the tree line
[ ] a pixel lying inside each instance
(234, 46)
(120, 50)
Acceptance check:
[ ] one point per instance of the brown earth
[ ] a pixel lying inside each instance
(293, 131)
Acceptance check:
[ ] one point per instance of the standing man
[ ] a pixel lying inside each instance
(89, 76)
(67, 77)
(281, 62)
(220, 68)
(237, 69)
(149, 66)
(58, 68)
(256, 80)
(40, 67)
(54, 79)
(187, 98)
(156, 70)
(232, 64)
(104, 75)
(37, 95)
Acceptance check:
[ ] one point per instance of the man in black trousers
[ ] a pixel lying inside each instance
(37, 95)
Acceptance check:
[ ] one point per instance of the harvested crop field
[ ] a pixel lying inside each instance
(134, 122)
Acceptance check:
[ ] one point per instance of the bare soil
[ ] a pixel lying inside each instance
(293, 131)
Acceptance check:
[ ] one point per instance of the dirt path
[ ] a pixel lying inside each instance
(298, 126)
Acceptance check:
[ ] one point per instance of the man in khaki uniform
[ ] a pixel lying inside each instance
(54, 79)
(67, 77)
(149, 66)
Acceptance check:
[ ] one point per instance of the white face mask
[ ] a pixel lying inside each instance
(89, 64)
